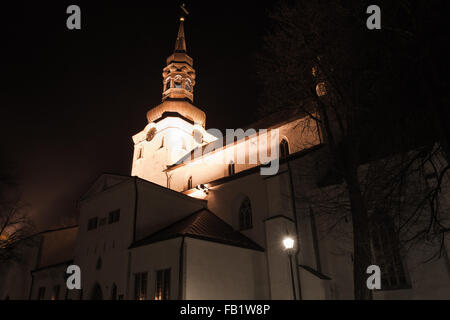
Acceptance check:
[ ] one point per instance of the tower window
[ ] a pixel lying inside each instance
(168, 84)
(231, 168)
(187, 85)
(178, 84)
(284, 149)
(189, 185)
(245, 215)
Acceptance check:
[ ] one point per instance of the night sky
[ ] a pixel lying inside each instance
(72, 99)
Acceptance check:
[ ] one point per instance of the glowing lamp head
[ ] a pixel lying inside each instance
(288, 243)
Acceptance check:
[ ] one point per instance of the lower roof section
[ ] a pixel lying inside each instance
(204, 225)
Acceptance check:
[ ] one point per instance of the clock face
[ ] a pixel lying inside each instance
(198, 136)
(151, 134)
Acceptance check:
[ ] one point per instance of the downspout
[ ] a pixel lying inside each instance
(136, 198)
(135, 208)
(31, 285)
(294, 209)
(180, 270)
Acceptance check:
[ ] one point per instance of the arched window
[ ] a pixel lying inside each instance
(245, 215)
(189, 186)
(284, 149)
(177, 83)
(168, 84)
(187, 85)
(114, 292)
(231, 168)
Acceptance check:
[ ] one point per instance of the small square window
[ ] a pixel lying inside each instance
(114, 216)
(92, 223)
(102, 222)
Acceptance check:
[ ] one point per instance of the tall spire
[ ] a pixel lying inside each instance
(179, 74)
(180, 44)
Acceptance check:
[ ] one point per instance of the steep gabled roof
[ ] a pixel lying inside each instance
(204, 225)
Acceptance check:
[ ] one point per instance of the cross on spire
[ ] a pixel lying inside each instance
(180, 44)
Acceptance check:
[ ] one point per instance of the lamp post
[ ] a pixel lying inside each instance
(288, 243)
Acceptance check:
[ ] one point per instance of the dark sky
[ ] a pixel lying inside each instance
(71, 100)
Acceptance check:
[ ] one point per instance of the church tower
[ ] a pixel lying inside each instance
(176, 126)
(179, 75)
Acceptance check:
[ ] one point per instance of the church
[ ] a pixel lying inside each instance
(193, 221)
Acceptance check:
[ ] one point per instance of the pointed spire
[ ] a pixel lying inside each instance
(180, 44)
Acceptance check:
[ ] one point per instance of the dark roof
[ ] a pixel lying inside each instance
(204, 225)
(278, 118)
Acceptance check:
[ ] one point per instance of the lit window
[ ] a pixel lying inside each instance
(231, 168)
(92, 223)
(284, 149)
(386, 253)
(140, 286)
(56, 290)
(245, 215)
(162, 290)
(114, 216)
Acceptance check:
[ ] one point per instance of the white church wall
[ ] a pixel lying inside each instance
(214, 166)
(217, 271)
(159, 207)
(108, 242)
(225, 200)
(49, 278)
(151, 258)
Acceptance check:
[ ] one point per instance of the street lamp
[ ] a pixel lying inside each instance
(288, 243)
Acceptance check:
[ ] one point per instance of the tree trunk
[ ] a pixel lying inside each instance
(362, 256)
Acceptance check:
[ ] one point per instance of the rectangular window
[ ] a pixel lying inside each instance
(41, 293)
(56, 290)
(387, 254)
(92, 223)
(102, 222)
(114, 216)
(162, 290)
(140, 286)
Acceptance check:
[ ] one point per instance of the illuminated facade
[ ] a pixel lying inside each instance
(183, 227)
